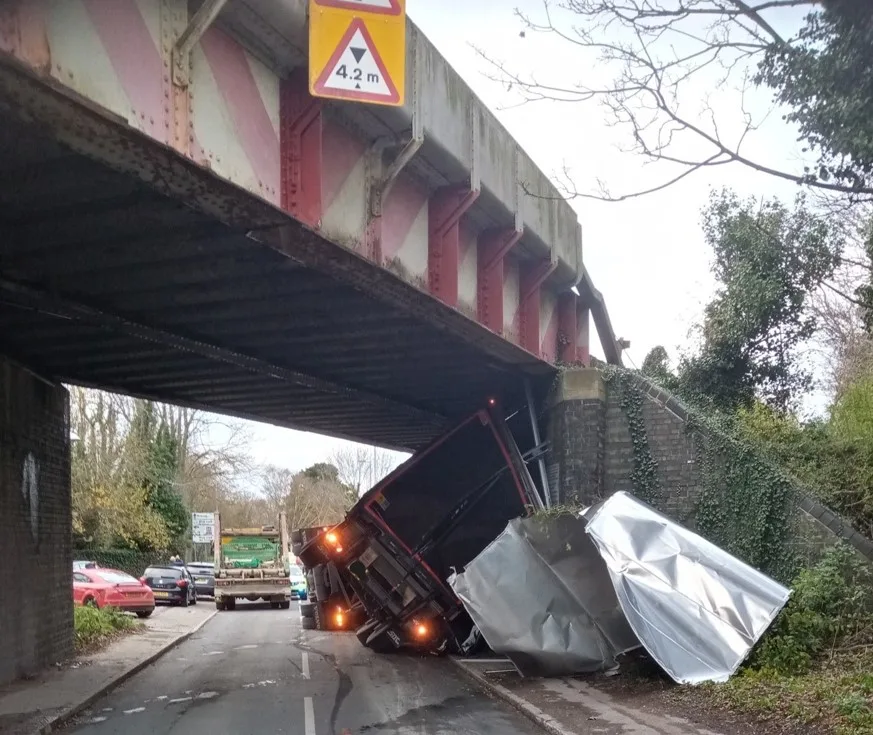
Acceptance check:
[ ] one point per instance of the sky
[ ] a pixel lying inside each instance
(646, 255)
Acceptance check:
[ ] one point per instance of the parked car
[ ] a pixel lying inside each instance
(298, 582)
(112, 588)
(171, 584)
(204, 577)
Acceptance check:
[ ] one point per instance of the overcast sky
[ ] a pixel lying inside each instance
(646, 255)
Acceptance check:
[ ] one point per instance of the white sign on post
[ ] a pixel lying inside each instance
(202, 527)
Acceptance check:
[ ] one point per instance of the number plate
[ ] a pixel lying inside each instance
(162, 594)
(201, 580)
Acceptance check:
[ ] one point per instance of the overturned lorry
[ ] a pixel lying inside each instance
(448, 551)
(383, 571)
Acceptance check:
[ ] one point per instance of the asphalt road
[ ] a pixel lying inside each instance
(255, 670)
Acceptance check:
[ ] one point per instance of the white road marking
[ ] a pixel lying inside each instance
(180, 699)
(304, 667)
(106, 709)
(206, 695)
(213, 653)
(248, 645)
(134, 710)
(95, 720)
(163, 696)
(308, 716)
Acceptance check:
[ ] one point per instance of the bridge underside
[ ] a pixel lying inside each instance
(125, 266)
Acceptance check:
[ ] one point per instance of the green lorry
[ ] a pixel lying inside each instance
(252, 564)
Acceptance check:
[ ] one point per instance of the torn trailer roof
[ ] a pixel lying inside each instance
(539, 595)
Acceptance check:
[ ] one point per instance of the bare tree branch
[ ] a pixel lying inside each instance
(654, 48)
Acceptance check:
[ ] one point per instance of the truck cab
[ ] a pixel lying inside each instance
(396, 548)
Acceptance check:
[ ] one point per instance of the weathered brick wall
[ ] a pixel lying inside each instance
(670, 446)
(36, 627)
(592, 456)
(575, 459)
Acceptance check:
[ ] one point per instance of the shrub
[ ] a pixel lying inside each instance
(831, 606)
(126, 560)
(93, 625)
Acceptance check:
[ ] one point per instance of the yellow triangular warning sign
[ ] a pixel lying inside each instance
(355, 70)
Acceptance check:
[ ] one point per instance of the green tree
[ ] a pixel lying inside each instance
(161, 474)
(825, 78)
(656, 365)
(322, 472)
(767, 260)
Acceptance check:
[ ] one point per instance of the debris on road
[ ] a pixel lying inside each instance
(538, 594)
(456, 549)
(541, 595)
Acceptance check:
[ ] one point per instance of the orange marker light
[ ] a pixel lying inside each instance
(339, 549)
(331, 538)
(491, 401)
(421, 630)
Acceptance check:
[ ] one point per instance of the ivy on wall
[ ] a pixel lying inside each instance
(644, 474)
(745, 504)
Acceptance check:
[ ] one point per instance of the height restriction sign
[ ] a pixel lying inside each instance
(357, 50)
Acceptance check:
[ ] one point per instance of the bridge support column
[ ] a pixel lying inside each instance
(577, 432)
(35, 523)
(300, 148)
(445, 209)
(493, 246)
(529, 299)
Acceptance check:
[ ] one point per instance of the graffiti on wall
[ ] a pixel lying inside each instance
(30, 492)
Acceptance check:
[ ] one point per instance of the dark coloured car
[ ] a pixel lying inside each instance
(171, 584)
(204, 577)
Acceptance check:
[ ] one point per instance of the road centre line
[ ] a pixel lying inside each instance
(308, 716)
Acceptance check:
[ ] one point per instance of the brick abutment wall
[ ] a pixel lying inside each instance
(592, 457)
(36, 600)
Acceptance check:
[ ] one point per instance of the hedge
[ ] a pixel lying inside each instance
(126, 560)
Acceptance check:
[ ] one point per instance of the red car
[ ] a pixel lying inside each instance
(110, 587)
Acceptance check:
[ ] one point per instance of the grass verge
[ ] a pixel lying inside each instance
(95, 627)
(835, 695)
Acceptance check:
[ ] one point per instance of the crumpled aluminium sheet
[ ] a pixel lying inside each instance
(565, 595)
(541, 595)
(697, 609)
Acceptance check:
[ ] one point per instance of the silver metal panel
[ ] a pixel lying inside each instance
(697, 609)
(540, 594)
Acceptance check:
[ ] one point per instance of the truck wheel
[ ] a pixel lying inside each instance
(382, 644)
(322, 591)
(310, 585)
(364, 631)
(230, 603)
(219, 605)
(320, 616)
(307, 609)
(285, 605)
(308, 624)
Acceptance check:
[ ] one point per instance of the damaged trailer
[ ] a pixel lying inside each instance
(584, 589)
(384, 569)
